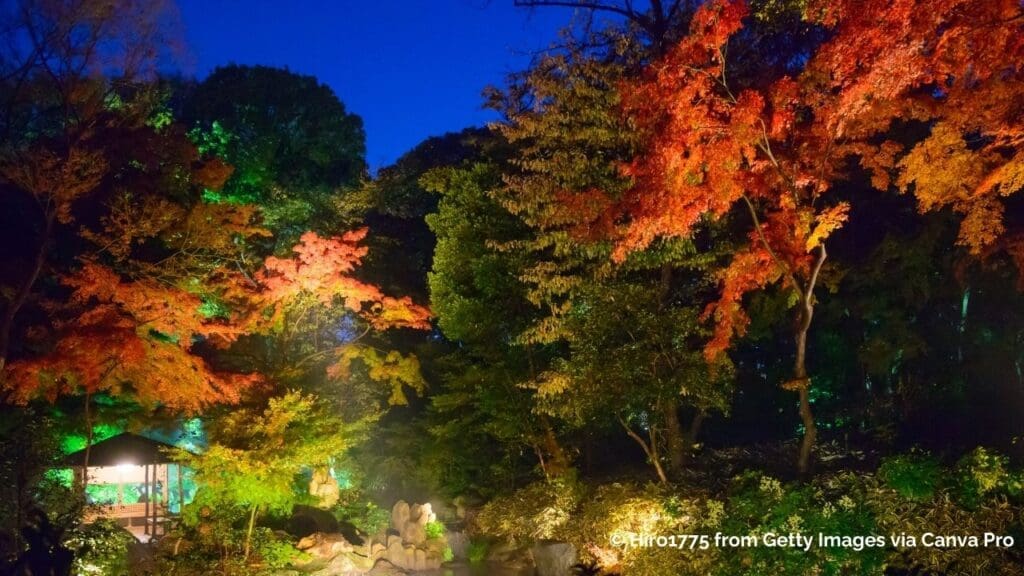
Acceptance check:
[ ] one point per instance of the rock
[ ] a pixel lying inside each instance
(324, 488)
(513, 559)
(385, 568)
(459, 543)
(325, 546)
(306, 520)
(554, 558)
(399, 515)
(414, 533)
(395, 553)
(393, 538)
(409, 558)
(426, 514)
(377, 550)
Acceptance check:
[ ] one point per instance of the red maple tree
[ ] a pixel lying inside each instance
(778, 145)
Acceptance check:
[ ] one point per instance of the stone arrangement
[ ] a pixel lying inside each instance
(409, 548)
(404, 547)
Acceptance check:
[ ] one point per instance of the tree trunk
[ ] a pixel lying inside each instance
(558, 463)
(801, 383)
(650, 449)
(693, 433)
(88, 441)
(675, 441)
(248, 533)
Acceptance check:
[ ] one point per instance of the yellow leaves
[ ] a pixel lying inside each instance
(827, 222)
(389, 368)
(945, 172)
(552, 384)
(941, 168)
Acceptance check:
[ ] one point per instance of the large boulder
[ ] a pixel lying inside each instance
(325, 546)
(324, 488)
(554, 558)
(306, 520)
(400, 515)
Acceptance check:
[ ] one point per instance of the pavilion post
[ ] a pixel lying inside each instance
(145, 492)
(181, 490)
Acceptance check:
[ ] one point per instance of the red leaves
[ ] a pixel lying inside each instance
(322, 269)
(956, 65)
(129, 338)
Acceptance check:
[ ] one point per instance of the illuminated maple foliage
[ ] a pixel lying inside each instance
(776, 146)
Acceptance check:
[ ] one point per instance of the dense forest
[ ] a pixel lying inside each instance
(721, 267)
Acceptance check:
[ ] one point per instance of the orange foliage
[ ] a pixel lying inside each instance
(130, 338)
(322, 269)
(777, 147)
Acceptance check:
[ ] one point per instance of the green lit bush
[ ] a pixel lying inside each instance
(477, 551)
(915, 477)
(434, 530)
(835, 506)
(538, 511)
(274, 552)
(100, 549)
(982, 473)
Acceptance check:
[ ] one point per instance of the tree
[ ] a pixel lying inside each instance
(56, 65)
(635, 363)
(255, 456)
(317, 288)
(482, 307)
(777, 145)
(296, 151)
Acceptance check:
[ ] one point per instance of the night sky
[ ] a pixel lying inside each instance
(411, 69)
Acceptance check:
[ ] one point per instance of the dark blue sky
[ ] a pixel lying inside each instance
(410, 68)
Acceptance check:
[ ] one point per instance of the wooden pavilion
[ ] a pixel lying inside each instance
(134, 472)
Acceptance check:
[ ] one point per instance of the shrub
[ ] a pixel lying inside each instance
(366, 516)
(274, 552)
(100, 548)
(915, 477)
(477, 551)
(834, 506)
(434, 530)
(534, 512)
(982, 473)
(617, 511)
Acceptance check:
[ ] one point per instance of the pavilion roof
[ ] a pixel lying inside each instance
(125, 448)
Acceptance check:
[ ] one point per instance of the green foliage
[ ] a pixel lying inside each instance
(915, 477)
(982, 473)
(290, 140)
(434, 530)
(256, 456)
(836, 506)
(361, 513)
(274, 552)
(100, 548)
(477, 550)
(535, 512)
(622, 510)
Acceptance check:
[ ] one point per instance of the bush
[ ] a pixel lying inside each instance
(477, 551)
(366, 516)
(616, 511)
(915, 477)
(833, 506)
(434, 530)
(100, 548)
(275, 552)
(982, 473)
(536, 512)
